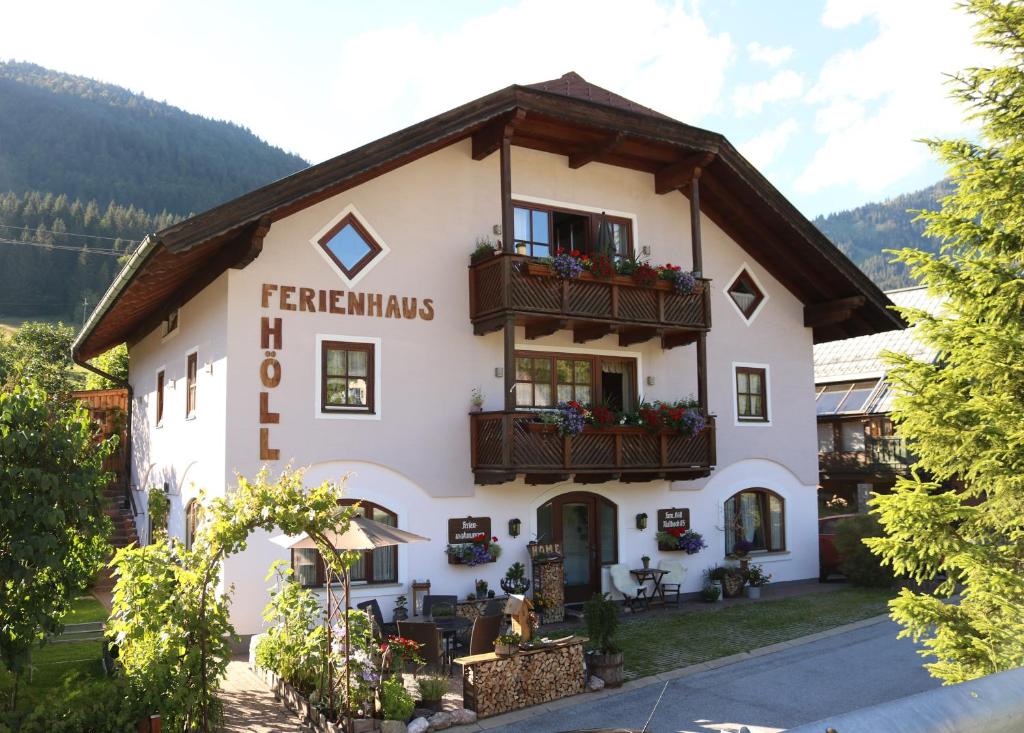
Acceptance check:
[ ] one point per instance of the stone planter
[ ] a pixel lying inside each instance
(732, 585)
(392, 726)
(606, 666)
(505, 650)
(752, 591)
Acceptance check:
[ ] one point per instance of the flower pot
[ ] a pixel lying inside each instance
(505, 650)
(646, 561)
(752, 591)
(520, 249)
(606, 666)
(720, 590)
(434, 705)
(476, 408)
(732, 585)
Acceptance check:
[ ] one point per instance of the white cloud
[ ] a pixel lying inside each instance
(875, 101)
(765, 149)
(771, 55)
(752, 98)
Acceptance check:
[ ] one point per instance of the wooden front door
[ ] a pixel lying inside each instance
(584, 524)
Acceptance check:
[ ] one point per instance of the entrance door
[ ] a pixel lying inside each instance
(584, 524)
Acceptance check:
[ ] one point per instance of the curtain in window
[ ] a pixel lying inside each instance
(304, 562)
(775, 520)
(750, 520)
(385, 559)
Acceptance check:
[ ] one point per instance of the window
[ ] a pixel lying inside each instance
(347, 374)
(541, 230)
(745, 294)
(851, 437)
(757, 516)
(160, 398)
(544, 380)
(751, 394)
(190, 384)
(373, 566)
(350, 245)
(192, 516)
(170, 324)
(846, 397)
(826, 437)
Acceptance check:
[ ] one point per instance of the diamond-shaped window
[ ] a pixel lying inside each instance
(350, 246)
(745, 294)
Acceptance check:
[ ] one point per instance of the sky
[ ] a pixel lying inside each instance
(829, 98)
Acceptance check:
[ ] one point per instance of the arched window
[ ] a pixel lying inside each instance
(373, 566)
(192, 514)
(758, 517)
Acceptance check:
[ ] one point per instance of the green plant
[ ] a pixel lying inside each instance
(52, 527)
(476, 397)
(756, 575)
(510, 639)
(158, 508)
(432, 687)
(108, 706)
(294, 646)
(602, 618)
(484, 246)
(515, 580)
(395, 701)
(859, 564)
(722, 572)
(114, 362)
(481, 588)
(710, 593)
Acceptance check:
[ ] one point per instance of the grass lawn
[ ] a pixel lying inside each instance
(659, 642)
(84, 610)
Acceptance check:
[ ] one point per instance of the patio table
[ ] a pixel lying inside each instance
(450, 626)
(642, 575)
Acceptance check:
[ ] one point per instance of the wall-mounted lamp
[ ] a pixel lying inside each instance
(641, 521)
(499, 372)
(650, 381)
(514, 527)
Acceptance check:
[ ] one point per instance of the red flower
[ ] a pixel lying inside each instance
(575, 253)
(494, 539)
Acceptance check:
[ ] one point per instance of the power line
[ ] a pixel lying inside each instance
(66, 247)
(69, 234)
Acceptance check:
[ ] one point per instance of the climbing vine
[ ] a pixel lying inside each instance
(171, 619)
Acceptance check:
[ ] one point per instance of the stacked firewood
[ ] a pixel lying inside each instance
(549, 582)
(494, 685)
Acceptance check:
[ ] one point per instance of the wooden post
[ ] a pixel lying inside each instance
(702, 372)
(507, 224)
(510, 386)
(698, 266)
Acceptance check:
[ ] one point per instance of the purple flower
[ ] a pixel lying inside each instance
(572, 420)
(567, 266)
(685, 283)
(693, 421)
(478, 554)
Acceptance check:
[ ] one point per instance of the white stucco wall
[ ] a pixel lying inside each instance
(414, 456)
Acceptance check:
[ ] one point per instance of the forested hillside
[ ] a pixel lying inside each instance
(863, 233)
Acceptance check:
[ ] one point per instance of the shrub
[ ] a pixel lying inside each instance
(710, 593)
(859, 564)
(602, 617)
(432, 688)
(395, 700)
(86, 707)
(294, 645)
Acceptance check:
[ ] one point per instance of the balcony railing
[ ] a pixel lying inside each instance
(506, 444)
(514, 285)
(885, 455)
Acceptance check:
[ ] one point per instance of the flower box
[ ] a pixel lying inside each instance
(539, 269)
(454, 560)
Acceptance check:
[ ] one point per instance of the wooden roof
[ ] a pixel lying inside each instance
(566, 116)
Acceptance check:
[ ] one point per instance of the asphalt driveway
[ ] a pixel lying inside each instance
(769, 693)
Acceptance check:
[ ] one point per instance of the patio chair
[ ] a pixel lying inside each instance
(432, 602)
(429, 637)
(633, 593)
(494, 607)
(380, 629)
(672, 582)
(485, 631)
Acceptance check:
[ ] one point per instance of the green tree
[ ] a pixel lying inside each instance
(40, 353)
(114, 363)
(52, 527)
(965, 412)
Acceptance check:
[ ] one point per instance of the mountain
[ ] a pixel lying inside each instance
(71, 135)
(865, 232)
(91, 166)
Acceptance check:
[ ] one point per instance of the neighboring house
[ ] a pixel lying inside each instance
(858, 450)
(329, 320)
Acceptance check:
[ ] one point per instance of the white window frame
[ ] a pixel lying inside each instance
(767, 395)
(378, 404)
(166, 335)
(760, 286)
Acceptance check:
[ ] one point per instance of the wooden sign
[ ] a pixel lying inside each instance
(673, 519)
(464, 529)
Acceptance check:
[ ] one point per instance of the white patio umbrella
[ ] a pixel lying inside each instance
(362, 534)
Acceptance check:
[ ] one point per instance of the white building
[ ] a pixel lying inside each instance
(327, 320)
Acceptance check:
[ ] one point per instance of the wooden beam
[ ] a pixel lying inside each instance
(678, 175)
(833, 311)
(544, 327)
(590, 332)
(695, 246)
(509, 367)
(702, 372)
(255, 244)
(594, 478)
(488, 139)
(589, 155)
(542, 479)
(638, 334)
(507, 222)
(677, 338)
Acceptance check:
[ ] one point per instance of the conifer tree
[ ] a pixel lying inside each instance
(964, 413)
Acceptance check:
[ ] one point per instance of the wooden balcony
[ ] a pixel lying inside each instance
(503, 286)
(507, 444)
(886, 455)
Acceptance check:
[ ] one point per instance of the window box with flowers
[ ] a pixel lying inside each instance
(681, 540)
(624, 271)
(481, 550)
(682, 417)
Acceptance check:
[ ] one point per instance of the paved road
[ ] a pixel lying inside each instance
(769, 693)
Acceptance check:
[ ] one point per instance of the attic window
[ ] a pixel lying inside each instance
(170, 324)
(350, 245)
(745, 294)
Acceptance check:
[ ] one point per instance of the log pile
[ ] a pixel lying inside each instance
(493, 685)
(474, 609)
(549, 582)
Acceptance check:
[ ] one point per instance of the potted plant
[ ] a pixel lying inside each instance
(711, 592)
(605, 657)
(507, 644)
(731, 578)
(756, 578)
(677, 538)
(520, 248)
(476, 400)
(515, 580)
(481, 588)
(432, 690)
(401, 612)
(481, 549)
(396, 705)
(646, 560)
(484, 250)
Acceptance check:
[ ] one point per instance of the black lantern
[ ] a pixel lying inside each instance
(514, 527)
(641, 521)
